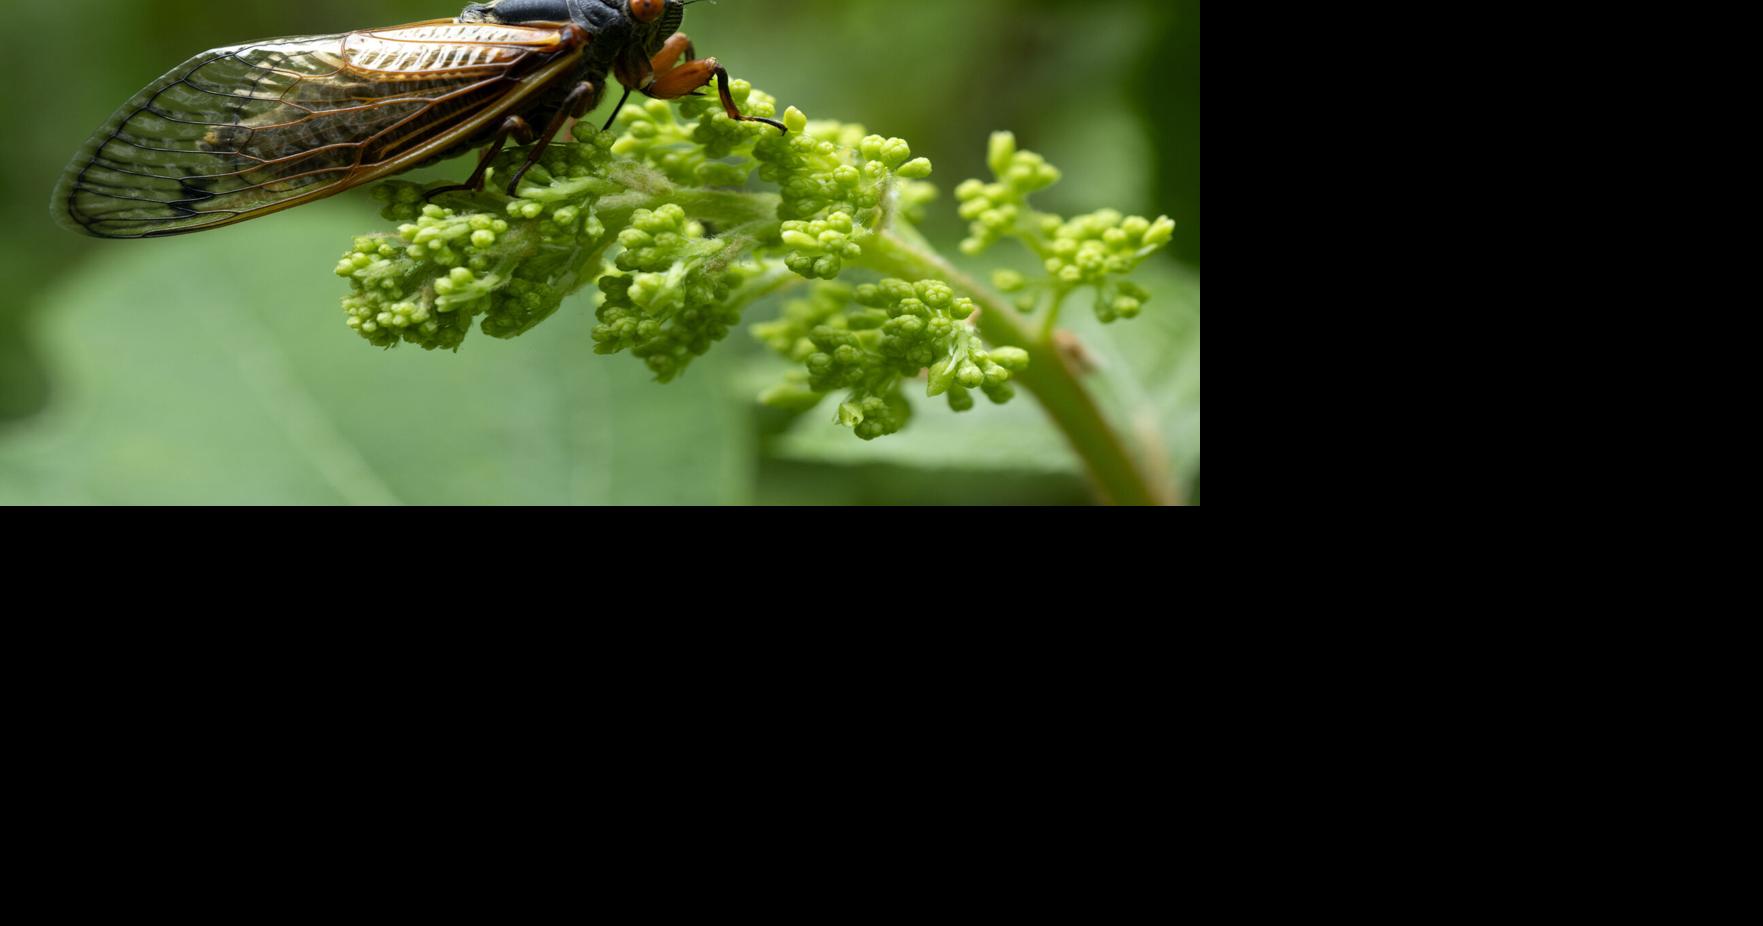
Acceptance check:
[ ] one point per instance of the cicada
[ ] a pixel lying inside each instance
(241, 132)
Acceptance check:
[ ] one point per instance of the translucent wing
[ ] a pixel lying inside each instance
(241, 132)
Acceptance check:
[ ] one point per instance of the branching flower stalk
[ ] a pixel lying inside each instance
(682, 219)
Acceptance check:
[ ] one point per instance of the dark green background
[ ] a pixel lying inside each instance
(216, 368)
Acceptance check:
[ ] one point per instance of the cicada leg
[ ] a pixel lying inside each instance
(663, 77)
(512, 126)
(693, 76)
(677, 45)
(616, 110)
(575, 106)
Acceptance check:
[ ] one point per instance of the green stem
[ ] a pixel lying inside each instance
(1051, 323)
(1116, 474)
(776, 279)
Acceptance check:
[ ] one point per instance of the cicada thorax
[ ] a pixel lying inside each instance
(618, 31)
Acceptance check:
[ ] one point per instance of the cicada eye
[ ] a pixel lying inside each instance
(648, 10)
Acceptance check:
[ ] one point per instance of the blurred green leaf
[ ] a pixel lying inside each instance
(1148, 377)
(1015, 438)
(216, 369)
(795, 484)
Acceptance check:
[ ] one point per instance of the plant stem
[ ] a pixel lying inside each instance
(1051, 324)
(1115, 473)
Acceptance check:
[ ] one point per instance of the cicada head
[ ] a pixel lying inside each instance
(655, 19)
(673, 18)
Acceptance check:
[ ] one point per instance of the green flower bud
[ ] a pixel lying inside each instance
(916, 169)
(1001, 393)
(1014, 359)
(1002, 153)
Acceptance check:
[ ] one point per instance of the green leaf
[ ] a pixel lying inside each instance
(1008, 438)
(216, 369)
(1149, 376)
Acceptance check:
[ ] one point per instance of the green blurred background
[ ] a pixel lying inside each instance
(216, 368)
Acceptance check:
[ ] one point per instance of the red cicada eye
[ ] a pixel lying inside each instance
(648, 10)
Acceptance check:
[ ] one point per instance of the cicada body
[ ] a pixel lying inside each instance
(241, 132)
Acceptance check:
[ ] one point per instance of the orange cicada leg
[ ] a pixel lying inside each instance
(689, 78)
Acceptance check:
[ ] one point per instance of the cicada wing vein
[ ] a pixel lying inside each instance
(241, 132)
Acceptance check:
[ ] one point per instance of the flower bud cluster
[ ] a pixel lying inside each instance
(837, 184)
(505, 260)
(868, 340)
(696, 143)
(670, 304)
(1098, 250)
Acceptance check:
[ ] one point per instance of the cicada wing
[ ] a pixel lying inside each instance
(241, 132)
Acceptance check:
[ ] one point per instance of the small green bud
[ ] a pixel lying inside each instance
(916, 169)
(1014, 359)
(850, 414)
(942, 377)
(1003, 152)
(1160, 233)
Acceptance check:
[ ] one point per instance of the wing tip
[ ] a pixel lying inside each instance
(61, 204)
